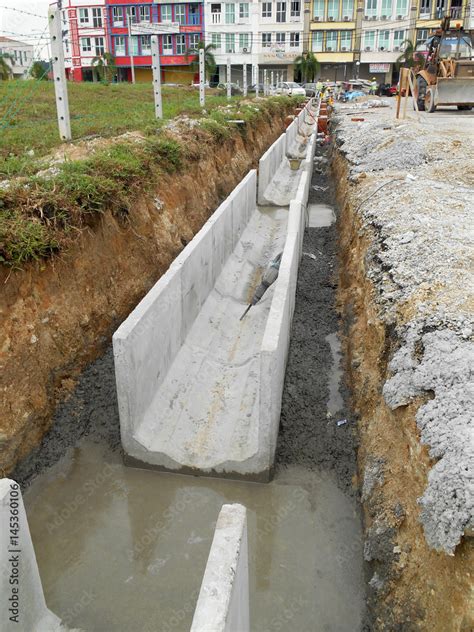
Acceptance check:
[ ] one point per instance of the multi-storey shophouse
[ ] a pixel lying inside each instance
(264, 34)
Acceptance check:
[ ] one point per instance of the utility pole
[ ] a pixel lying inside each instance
(265, 83)
(272, 82)
(202, 91)
(256, 80)
(130, 48)
(245, 80)
(59, 73)
(156, 68)
(229, 87)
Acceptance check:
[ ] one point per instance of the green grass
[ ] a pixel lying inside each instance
(40, 214)
(28, 115)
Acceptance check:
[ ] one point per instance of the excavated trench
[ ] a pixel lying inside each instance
(121, 548)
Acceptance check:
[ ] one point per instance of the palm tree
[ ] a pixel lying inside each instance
(209, 59)
(410, 58)
(104, 66)
(6, 63)
(308, 66)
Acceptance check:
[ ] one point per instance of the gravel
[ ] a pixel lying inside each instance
(420, 229)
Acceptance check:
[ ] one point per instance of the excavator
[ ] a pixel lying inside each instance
(447, 77)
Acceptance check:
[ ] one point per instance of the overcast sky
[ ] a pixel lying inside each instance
(26, 28)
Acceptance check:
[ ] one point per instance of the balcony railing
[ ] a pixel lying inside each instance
(216, 18)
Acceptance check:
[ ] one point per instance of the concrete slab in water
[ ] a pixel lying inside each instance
(320, 215)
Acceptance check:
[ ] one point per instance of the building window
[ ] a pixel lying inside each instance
(133, 45)
(229, 13)
(194, 40)
(318, 41)
(243, 11)
(440, 9)
(144, 13)
(266, 40)
(280, 40)
(167, 45)
(371, 8)
(83, 16)
(180, 13)
(86, 46)
(331, 41)
(120, 46)
(132, 14)
(194, 14)
(145, 44)
(266, 9)
(348, 9)
(117, 16)
(421, 37)
(386, 9)
(294, 40)
(398, 39)
(180, 44)
(97, 18)
(216, 41)
(333, 10)
(244, 41)
(215, 13)
(295, 8)
(281, 11)
(425, 8)
(369, 40)
(384, 40)
(166, 13)
(346, 40)
(402, 8)
(230, 43)
(99, 46)
(318, 9)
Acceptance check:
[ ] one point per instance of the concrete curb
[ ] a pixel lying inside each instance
(223, 603)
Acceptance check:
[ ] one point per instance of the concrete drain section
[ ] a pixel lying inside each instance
(123, 548)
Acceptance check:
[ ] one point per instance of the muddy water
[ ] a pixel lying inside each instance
(123, 549)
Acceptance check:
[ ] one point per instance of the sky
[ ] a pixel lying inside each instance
(26, 28)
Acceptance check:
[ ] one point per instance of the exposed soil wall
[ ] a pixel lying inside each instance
(412, 587)
(58, 315)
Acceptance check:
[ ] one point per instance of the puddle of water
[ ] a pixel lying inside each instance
(320, 215)
(122, 549)
(335, 402)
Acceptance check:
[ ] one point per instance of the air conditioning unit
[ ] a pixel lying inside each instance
(329, 49)
(346, 18)
(245, 50)
(384, 17)
(400, 17)
(366, 17)
(330, 19)
(230, 50)
(396, 48)
(316, 18)
(343, 48)
(367, 48)
(374, 17)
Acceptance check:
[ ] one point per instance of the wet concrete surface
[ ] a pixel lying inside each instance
(122, 549)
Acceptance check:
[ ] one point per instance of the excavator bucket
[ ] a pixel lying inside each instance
(455, 91)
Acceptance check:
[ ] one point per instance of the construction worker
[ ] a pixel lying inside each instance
(373, 86)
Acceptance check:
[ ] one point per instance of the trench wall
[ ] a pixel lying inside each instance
(223, 603)
(162, 320)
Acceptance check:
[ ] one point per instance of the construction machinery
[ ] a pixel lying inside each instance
(447, 77)
(268, 278)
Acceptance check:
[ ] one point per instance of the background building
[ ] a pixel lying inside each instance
(173, 47)
(21, 56)
(269, 34)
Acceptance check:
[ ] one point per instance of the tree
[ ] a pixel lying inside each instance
(209, 59)
(6, 63)
(40, 69)
(308, 66)
(104, 66)
(410, 58)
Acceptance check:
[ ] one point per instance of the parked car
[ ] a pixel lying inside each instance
(290, 88)
(310, 89)
(234, 88)
(253, 87)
